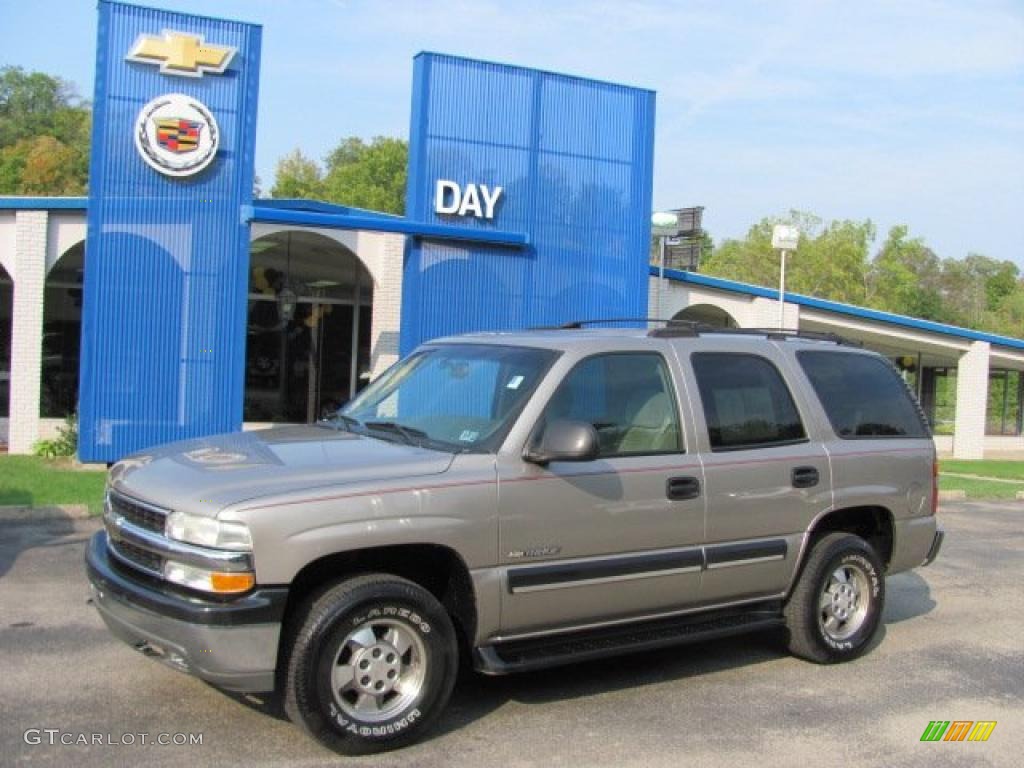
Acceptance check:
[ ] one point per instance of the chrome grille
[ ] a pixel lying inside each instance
(138, 513)
(137, 557)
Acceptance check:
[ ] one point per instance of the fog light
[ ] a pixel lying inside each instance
(208, 581)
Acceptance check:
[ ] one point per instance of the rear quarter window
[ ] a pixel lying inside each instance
(863, 396)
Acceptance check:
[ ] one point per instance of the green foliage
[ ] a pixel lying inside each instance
(65, 444)
(298, 176)
(360, 174)
(831, 260)
(906, 277)
(44, 135)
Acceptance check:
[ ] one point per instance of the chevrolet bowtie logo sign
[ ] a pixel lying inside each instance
(179, 53)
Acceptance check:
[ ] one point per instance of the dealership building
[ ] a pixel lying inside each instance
(169, 304)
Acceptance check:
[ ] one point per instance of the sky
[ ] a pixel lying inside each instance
(908, 111)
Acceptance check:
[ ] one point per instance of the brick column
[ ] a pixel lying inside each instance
(387, 303)
(27, 329)
(971, 402)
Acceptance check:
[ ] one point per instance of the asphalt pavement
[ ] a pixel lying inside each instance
(952, 648)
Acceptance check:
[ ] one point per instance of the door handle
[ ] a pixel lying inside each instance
(805, 477)
(680, 488)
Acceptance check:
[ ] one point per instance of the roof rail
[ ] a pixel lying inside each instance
(576, 325)
(775, 334)
(678, 328)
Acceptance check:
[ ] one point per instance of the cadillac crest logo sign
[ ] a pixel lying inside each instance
(177, 135)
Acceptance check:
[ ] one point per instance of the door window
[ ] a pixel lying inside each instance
(629, 400)
(746, 402)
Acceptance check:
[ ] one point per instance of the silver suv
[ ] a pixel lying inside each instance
(523, 500)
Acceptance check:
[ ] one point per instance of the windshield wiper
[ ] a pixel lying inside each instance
(411, 435)
(332, 422)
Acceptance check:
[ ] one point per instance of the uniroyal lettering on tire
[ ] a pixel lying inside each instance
(372, 664)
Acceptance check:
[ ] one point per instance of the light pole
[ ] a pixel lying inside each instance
(784, 238)
(663, 225)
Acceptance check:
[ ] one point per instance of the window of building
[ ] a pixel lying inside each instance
(746, 402)
(6, 308)
(1005, 403)
(627, 397)
(62, 335)
(308, 340)
(863, 395)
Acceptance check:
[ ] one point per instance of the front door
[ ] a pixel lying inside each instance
(612, 538)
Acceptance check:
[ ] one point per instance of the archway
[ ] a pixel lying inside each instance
(308, 339)
(62, 334)
(6, 311)
(708, 314)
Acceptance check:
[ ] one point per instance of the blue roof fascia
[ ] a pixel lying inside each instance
(316, 206)
(44, 203)
(381, 223)
(850, 310)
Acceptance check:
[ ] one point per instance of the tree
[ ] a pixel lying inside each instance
(298, 176)
(830, 261)
(906, 277)
(368, 175)
(44, 135)
(360, 174)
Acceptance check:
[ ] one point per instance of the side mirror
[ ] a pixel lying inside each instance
(565, 440)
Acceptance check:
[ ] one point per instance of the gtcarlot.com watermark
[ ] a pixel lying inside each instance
(55, 737)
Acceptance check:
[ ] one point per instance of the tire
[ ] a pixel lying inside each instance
(371, 664)
(836, 608)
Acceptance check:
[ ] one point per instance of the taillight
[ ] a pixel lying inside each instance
(935, 486)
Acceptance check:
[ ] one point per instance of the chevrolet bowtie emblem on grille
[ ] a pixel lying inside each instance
(179, 53)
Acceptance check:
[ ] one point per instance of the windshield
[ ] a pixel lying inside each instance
(457, 397)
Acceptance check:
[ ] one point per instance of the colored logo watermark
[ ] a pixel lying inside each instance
(958, 730)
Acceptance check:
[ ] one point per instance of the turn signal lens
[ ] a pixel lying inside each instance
(231, 582)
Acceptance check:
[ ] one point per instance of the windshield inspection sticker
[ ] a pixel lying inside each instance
(514, 382)
(468, 436)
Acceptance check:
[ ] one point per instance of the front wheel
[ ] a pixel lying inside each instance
(371, 666)
(836, 608)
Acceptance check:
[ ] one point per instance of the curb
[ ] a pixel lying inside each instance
(953, 495)
(17, 514)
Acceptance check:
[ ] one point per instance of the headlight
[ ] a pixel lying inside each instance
(208, 531)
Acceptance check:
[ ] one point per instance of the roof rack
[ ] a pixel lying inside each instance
(677, 328)
(775, 334)
(576, 325)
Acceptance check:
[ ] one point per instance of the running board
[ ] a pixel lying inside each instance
(570, 648)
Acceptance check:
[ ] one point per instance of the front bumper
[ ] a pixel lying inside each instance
(232, 644)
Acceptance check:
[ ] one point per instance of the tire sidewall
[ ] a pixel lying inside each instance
(394, 602)
(856, 553)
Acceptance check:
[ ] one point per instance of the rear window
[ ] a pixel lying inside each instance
(863, 395)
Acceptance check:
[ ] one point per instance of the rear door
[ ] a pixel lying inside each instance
(766, 470)
(613, 538)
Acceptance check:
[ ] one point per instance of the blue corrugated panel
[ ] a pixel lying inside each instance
(166, 266)
(575, 160)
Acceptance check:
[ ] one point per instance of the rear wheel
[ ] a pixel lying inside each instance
(371, 666)
(836, 607)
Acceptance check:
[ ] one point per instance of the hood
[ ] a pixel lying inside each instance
(204, 475)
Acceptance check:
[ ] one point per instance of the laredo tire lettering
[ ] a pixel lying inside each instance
(323, 635)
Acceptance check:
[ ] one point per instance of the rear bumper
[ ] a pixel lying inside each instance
(230, 644)
(940, 536)
(913, 543)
